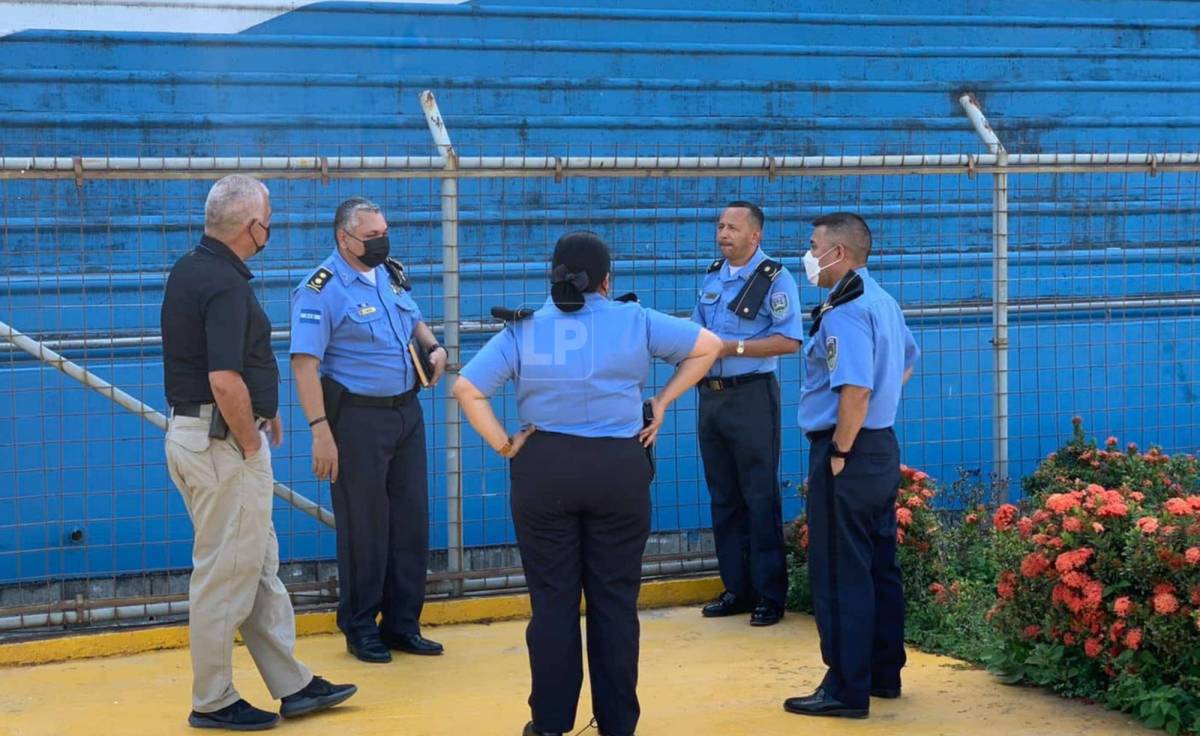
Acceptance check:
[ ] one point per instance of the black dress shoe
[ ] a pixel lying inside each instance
(531, 731)
(888, 693)
(727, 605)
(412, 643)
(318, 694)
(239, 716)
(369, 649)
(766, 613)
(821, 703)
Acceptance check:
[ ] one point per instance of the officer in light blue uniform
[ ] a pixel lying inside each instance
(581, 480)
(859, 354)
(352, 321)
(750, 301)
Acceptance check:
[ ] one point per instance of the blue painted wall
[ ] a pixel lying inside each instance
(847, 77)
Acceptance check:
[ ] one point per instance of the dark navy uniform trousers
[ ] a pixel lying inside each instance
(739, 442)
(581, 507)
(381, 503)
(856, 587)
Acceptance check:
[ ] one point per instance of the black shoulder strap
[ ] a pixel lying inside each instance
(630, 297)
(752, 295)
(716, 265)
(319, 279)
(511, 315)
(396, 273)
(847, 290)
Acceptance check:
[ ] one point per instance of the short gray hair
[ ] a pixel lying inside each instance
(346, 217)
(232, 202)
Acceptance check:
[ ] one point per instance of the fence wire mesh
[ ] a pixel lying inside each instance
(1104, 311)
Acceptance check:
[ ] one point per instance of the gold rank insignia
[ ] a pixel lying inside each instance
(318, 280)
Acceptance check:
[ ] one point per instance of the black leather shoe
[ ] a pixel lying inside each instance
(766, 613)
(821, 703)
(412, 643)
(531, 731)
(239, 716)
(888, 693)
(369, 649)
(318, 694)
(727, 605)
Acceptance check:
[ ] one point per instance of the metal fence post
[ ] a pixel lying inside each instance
(999, 290)
(450, 337)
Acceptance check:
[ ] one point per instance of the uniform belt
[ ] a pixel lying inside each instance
(720, 384)
(819, 434)
(387, 402)
(199, 411)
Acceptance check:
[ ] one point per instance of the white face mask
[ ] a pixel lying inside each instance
(813, 267)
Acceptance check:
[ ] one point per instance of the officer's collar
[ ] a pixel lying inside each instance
(746, 268)
(211, 245)
(347, 272)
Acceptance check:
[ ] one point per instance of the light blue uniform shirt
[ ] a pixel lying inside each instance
(860, 343)
(358, 330)
(581, 373)
(778, 315)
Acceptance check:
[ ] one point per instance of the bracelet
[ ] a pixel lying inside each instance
(317, 421)
(435, 346)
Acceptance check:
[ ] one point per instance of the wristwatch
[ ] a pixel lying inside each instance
(741, 347)
(838, 452)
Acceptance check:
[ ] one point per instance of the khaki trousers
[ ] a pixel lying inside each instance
(235, 558)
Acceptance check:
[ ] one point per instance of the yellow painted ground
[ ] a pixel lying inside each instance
(698, 677)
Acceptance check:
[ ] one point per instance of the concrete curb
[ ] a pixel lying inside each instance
(655, 594)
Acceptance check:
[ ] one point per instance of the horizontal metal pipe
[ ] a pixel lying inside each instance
(432, 166)
(67, 613)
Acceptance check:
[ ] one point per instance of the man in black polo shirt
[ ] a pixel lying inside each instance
(222, 383)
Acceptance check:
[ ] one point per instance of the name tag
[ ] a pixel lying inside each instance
(365, 309)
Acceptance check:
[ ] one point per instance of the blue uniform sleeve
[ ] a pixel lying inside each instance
(849, 349)
(912, 353)
(783, 302)
(494, 364)
(670, 338)
(311, 322)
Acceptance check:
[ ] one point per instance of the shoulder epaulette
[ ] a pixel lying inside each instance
(754, 292)
(396, 273)
(716, 265)
(630, 297)
(846, 291)
(319, 279)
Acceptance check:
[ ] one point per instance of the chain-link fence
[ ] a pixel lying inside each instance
(1083, 300)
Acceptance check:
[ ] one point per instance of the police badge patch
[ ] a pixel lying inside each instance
(831, 353)
(779, 304)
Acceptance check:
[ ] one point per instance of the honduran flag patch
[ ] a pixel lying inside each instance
(311, 316)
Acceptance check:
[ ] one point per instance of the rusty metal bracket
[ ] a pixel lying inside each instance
(1153, 165)
(324, 169)
(971, 170)
(77, 163)
(558, 170)
(771, 164)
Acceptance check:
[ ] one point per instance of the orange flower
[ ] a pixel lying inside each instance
(1192, 555)
(1032, 631)
(1138, 496)
(1092, 647)
(1034, 564)
(1073, 560)
(971, 519)
(1025, 526)
(1178, 507)
(1165, 604)
(1006, 587)
(1123, 606)
(1061, 503)
(1069, 639)
(1133, 638)
(1148, 524)
(904, 517)
(1004, 516)
(1072, 524)
(1097, 527)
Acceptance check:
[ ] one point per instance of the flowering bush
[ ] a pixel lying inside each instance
(1098, 591)
(1090, 586)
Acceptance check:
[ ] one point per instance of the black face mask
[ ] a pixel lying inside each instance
(258, 247)
(375, 250)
